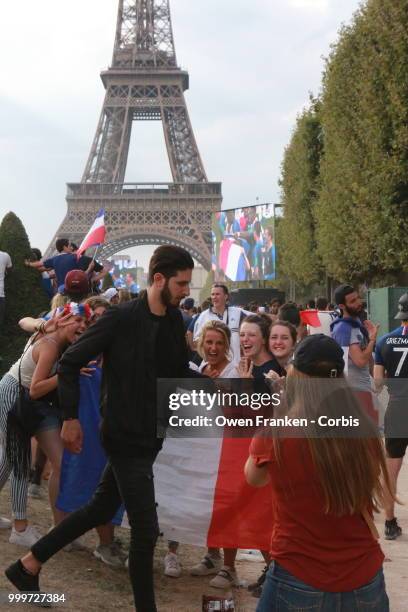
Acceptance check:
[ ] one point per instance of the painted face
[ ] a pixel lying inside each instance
(251, 339)
(74, 327)
(218, 297)
(176, 288)
(281, 344)
(214, 347)
(353, 303)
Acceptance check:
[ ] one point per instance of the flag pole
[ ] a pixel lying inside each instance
(96, 250)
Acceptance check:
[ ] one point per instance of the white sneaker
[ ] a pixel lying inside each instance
(26, 538)
(78, 544)
(207, 566)
(172, 565)
(35, 491)
(225, 579)
(111, 554)
(5, 523)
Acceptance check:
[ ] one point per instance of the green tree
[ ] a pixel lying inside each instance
(361, 225)
(300, 180)
(24, 295)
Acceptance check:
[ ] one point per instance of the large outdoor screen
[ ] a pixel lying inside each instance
(244, 244)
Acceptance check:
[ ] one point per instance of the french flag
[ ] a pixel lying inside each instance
(96, 234)
(203, 497)
(231, 260)
(310, 317)
(318, 321)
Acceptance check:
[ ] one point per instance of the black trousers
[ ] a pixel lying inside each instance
(127, 479)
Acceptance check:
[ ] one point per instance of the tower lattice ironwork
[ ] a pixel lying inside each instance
(144, 82)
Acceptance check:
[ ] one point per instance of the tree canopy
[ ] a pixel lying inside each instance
(357, 200)
(300, 188)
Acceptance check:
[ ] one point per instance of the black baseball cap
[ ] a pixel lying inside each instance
(402, 313)
(188, 303)
(319, 355)
(341, 292)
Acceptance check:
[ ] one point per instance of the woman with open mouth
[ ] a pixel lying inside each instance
(214, 348)
(282, 342)
(257, 359)
(33, 381)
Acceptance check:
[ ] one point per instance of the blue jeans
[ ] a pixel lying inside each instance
(282, 592)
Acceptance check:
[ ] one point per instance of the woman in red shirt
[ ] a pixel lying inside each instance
(324, 488)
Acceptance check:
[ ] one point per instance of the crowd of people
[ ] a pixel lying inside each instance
(324, 552)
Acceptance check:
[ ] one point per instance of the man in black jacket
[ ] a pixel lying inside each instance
(141, 341)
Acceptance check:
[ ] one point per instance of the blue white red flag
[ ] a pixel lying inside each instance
(96, 234)
(203, 497)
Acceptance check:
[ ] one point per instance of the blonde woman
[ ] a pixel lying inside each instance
(214, 347)
(124, 295)
(58, 301)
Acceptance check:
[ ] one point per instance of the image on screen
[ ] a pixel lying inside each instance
(244, 244)
(124, 275)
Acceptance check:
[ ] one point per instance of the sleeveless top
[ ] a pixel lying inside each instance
(28, 364)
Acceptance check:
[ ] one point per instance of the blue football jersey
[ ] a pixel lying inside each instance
(392, 353)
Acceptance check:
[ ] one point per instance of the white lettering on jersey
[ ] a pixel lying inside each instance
(397, 341)
(404, 352)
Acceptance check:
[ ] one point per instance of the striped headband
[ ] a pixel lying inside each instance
(78, 310)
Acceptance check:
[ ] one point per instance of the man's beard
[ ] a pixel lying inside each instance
(166, 297)
(354, 312)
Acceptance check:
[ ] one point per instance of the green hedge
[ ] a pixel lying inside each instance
(24, 295)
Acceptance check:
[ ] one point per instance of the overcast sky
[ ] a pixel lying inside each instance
(252, 65)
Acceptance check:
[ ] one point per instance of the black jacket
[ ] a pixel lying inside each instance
(126, 336)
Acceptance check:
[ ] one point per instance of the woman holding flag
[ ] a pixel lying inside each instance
(237, 510)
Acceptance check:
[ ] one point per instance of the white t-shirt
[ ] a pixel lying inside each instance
(232, 317)
(5, 262)
(230, 370)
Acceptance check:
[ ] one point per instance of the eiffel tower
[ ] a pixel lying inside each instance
(144, 83)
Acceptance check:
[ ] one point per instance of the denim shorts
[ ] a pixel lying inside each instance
(50, 419)
(282, 592)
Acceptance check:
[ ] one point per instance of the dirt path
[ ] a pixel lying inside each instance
(90, 585)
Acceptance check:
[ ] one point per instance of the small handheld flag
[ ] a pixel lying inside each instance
(96, 234)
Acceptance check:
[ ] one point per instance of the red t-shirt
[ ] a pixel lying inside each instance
(327, 552)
